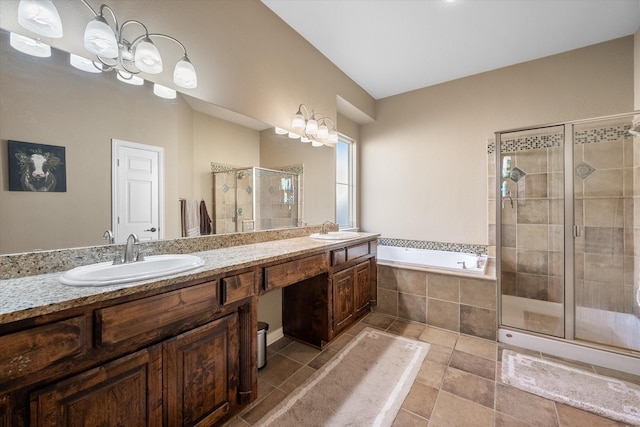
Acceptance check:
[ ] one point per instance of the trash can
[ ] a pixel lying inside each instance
(263, 327)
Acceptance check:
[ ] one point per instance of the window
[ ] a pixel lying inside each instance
(345, 183)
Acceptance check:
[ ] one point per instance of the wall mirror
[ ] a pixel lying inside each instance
(45, 101)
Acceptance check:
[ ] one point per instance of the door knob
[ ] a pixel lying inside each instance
(152, 229)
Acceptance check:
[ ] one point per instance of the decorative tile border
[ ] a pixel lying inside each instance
(610, 134)
(582, 136)
(435, 246)
(534, 142)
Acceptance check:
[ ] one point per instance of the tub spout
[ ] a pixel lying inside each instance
(464, 266)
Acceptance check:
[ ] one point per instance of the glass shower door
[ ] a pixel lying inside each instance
(605, 173)
(531, 192)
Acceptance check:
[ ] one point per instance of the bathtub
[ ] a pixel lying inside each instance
(427, 259)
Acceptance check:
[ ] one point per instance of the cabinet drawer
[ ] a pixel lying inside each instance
(235, 288)
(149, 315)
(294, 271)
(34, 349)
(357, 251)
(339, 256)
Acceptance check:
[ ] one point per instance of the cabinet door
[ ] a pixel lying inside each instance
(127, 391)
(201, 373)
(342, 299)
(362, 288)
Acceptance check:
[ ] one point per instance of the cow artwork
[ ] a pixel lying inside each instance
(36, 167)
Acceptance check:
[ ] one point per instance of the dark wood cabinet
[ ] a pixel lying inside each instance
(343, 299)
(319, 308)
(362, 288)
(127, 391)
(351, 295)
(181, 355)
(201, 373)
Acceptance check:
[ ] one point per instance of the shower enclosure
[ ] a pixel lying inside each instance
(256, 198)
(568, 215)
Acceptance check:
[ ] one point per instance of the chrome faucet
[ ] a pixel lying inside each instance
(108, 236)
(132, 240)
(323, 229)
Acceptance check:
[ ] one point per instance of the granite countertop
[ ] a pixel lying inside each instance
(27, 297)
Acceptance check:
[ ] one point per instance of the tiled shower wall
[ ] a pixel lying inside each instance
(276, 200)
(607, 186)
(532, 217)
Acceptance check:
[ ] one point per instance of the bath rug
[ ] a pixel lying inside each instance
(363, 385)
(609, 397)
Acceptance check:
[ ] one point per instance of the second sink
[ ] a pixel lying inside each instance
(335, 235)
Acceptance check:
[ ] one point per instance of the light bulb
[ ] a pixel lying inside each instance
(333, 137)
(312, 127)
(184, 75)
(41, 17)
(298, 122)
(129, 78)
(100, 39)
(84, 64)
(280, 131)
(323, 132)
(29, 46)
(164, 92)
(147, 57)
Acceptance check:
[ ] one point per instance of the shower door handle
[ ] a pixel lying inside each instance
(577, 230)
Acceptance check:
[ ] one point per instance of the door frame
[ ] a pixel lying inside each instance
(116, 144)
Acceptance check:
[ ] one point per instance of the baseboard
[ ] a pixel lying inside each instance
(274, 336)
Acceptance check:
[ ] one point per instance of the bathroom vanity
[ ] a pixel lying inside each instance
(176, 351)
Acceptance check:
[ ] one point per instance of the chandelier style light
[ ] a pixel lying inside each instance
(126, 56)
(313, 128)
(115, 52)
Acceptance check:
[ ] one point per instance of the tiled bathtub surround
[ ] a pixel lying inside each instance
(459, 304)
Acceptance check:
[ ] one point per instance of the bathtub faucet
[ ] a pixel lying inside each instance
(464, 266)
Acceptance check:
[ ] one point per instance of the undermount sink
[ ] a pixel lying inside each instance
(335, 235)
(106, 273)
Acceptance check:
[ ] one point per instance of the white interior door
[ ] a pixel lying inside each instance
(137, 191)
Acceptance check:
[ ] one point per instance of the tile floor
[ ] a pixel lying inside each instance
(458, 385)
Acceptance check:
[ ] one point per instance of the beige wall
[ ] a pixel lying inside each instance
(424, 159)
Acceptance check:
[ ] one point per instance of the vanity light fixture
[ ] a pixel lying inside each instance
(139, 54)
(33, 47)
(313, 127)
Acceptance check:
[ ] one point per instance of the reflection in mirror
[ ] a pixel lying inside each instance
(46, 101)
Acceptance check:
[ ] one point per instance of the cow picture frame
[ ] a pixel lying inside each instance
(37, 167)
